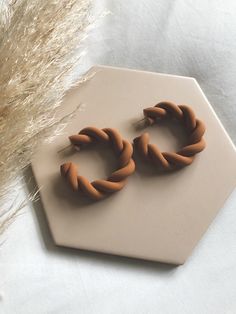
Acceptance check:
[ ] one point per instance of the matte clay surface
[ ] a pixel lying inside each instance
(194, 128)
(154, 217)
(100, 188)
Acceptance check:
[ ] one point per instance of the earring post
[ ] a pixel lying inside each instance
(61, 150)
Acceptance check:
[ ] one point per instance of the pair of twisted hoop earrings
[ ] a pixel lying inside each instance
(150, 153)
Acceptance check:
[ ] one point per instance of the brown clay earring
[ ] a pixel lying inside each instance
(172, 160)
(99, 189)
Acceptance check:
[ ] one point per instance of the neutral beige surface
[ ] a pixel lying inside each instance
(154, 217)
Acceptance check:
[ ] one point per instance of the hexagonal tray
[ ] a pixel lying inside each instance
(155, 217)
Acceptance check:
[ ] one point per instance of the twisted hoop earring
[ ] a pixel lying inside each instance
(172, 160)
(99, 189)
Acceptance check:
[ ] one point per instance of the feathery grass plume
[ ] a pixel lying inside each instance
(40, 46)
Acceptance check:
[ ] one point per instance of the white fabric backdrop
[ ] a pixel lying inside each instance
(184, 37)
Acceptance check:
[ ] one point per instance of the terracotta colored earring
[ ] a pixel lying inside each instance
(171, 160)
(99, 189)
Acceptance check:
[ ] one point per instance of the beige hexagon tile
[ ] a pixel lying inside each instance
(155, 217)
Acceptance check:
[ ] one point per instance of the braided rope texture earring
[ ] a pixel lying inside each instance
(171, 160)
(99, 189)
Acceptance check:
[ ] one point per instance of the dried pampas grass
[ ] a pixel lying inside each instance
(40, 46)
